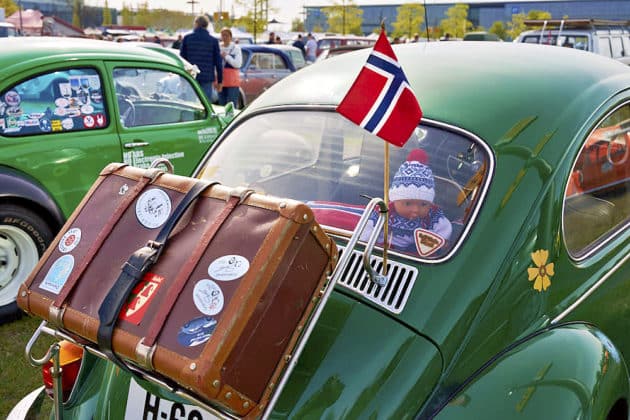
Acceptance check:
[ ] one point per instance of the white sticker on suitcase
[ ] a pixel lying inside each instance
(208, 297)
(228, 267)
(70, 240)
(153, 208)
(58, 274)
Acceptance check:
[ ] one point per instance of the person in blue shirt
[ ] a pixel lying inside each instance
(202, 49)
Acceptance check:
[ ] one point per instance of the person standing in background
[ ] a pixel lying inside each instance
(232, 61)
(178, 42)
(311, 48)
(299, 43)
(202, 49)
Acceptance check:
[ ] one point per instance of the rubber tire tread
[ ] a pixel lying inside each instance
(42, 237)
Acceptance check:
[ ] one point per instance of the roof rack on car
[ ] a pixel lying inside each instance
(575, 23)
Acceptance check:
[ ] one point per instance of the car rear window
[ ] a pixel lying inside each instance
(59, 101)
(336, 167)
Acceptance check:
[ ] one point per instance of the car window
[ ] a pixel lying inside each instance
(617, 46)
(336, 167)
(59, 101)
(150, 97)
(604, 46)
(597, 198)
(278, 62)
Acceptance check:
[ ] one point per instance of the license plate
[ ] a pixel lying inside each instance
(142, 405)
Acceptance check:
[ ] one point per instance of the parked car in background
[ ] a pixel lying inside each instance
(520, 313)
(332, 52)
(262, 66)
(296, 55)
(68, 107)
(604, 37)
(480, 36)
(7, 30)
(327, 42)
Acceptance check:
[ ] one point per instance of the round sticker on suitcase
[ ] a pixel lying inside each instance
(228, 267)
(208, 297)
(153, 208)
(70, 240)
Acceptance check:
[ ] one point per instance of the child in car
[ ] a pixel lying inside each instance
(416, 224)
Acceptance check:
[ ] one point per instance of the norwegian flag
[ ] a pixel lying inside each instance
(380, 99)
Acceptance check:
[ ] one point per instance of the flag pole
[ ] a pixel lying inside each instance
(385, 192)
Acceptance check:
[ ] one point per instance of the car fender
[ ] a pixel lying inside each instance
(568, 371)
(19, 186)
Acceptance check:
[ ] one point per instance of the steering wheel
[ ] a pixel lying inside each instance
(609, 151)
(127, 111)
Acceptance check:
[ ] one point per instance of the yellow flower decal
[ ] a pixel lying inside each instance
(542, 273)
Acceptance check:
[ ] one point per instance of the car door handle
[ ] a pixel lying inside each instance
(136, 144)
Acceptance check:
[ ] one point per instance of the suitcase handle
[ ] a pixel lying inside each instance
(133, 270)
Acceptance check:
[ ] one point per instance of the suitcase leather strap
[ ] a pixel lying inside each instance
(147, 178)
(133, 271)
(182, 276)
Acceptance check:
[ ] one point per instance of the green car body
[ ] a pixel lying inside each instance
(525, 315)
(54, 142)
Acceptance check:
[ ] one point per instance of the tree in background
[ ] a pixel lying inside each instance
(518, 21)
(126, 14)
(456, 23)
(143, 15)
(409, 20)
(498, 28)
(255, 21)
(297, 25)
(76, 13)
(107, 15)
(9, 7)
(344, 18)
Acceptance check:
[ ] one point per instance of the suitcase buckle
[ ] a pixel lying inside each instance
(144, 355)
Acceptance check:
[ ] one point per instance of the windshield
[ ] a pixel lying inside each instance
(436, 179)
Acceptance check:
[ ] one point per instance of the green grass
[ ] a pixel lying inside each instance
(17, 376)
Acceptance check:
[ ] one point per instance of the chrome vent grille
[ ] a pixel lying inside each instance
(394, 295)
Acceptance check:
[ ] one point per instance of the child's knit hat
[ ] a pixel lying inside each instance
(414, 179)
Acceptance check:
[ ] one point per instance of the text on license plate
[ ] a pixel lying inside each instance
(142, 405)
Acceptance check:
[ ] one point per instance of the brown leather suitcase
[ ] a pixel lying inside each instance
(200, 284)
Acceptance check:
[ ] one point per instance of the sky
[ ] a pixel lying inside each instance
(286, 10)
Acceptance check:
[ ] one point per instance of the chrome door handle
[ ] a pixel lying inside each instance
(136, 144)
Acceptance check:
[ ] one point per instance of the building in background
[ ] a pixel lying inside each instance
(91, 16)
(482, 14)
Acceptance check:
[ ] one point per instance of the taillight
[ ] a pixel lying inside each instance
(70, 356)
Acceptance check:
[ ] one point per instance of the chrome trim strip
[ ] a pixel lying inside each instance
(591, 290)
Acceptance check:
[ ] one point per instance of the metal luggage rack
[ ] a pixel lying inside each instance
(379, 280)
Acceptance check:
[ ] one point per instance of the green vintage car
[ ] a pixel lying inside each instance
(67, 108)
(517, 309)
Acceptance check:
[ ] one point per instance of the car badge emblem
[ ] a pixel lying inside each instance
(123, 190)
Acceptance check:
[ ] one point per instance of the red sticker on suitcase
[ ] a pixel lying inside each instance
(141, 295)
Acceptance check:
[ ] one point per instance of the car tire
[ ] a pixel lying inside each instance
(24, 236)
